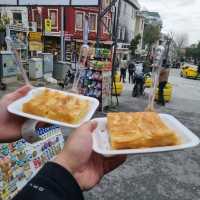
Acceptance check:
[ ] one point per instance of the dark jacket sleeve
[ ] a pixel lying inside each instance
(52, 182)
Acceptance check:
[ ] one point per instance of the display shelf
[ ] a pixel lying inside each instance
(19, 35)
(97, 84)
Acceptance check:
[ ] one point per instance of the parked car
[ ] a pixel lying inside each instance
(188, 72)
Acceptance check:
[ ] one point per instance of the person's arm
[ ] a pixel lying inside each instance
(10, 124)
(75, 169)
(53, 182)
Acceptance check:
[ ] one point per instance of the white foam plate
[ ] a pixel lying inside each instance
(16, 107)
(102, 146)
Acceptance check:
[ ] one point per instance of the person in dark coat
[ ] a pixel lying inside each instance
(123, 68)
(198, 70)
(163, 80)
(131, 69)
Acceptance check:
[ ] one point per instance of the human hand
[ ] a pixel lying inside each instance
(10, 125)
(86, 166)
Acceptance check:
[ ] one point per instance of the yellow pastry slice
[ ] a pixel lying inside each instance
(57, 106)
(139, 130)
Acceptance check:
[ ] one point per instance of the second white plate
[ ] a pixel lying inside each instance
(102, 146)
(16, 107)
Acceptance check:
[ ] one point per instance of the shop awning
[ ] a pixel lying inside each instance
(58, 34)
(109, 42)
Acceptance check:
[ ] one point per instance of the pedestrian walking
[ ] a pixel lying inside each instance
(123, 68)
(159, 54)
(198, 70)
(131, 69)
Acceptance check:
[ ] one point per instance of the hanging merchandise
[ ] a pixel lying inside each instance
(48, 25)
(97, 84)
(20, 161)
(35, 41)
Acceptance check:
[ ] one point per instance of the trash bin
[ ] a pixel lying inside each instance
(47, 62)
(7, 64)
(60, 70)
(35, 68)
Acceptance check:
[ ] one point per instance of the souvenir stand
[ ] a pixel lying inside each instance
(95, 79)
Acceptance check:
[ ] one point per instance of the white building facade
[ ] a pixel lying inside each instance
(17, 15)
(18, 28)
(139, 28)
(127, 26)
(127, 20)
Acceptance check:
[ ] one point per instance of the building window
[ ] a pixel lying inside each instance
(53, 16)
(123, 32)
(124, 8)
(109, 25)
(37, 18)
(17, 18)
(119, 33)
(133, 12)
(79, 21)
(105, 3)
(93, 22)
(107, 22)
(105, 25)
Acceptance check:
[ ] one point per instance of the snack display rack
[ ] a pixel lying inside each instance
(95, 80)
(20, 161)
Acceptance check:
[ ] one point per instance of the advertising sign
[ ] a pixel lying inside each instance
(35, 41)
(35, 46)
(35, 36)
(48, 25)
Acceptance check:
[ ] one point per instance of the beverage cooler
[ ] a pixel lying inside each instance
(7, 65)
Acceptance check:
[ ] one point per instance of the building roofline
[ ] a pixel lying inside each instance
(135, 4)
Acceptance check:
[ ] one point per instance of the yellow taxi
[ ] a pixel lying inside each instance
(188, 72)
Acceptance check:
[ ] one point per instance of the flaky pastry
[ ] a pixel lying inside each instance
(57, 106)
(139, 130)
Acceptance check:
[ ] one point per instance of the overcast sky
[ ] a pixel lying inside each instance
(180, 16)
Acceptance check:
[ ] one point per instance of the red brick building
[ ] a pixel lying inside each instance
(73, 24)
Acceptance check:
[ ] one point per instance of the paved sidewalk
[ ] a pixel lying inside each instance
(161, 176)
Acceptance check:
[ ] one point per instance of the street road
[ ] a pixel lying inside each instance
(162, 176)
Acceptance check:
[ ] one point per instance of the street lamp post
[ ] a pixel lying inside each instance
(62, 44)
(40, 9)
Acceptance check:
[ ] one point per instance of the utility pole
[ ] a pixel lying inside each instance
(169, 41)
(101, 14)
(116, 33)
(62, 39)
